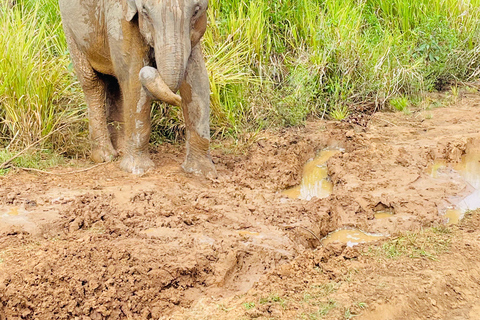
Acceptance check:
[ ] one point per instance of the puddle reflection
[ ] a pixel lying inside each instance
(469, 169)
(315, 181)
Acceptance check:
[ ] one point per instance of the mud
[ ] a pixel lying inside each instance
(105, 244)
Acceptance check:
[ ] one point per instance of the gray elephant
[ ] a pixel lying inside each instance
(127, 53)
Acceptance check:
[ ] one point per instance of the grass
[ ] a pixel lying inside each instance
(249, 305)
(37, 93)
(427, 244)
(400, 104)
(273, 298)
(271, 63)
(323, 309)
(38, 159)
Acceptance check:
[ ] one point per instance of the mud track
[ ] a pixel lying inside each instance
(104, 244)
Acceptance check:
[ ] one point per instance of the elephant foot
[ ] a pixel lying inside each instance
(105, 153)
(202, 165)
(137, 164)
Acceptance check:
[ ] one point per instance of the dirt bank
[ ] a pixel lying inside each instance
(104, 244)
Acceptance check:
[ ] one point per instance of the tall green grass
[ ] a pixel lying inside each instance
(315, 57)
(271, 63)
(38, 95)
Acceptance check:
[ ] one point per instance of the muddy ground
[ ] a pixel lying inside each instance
(103, 244)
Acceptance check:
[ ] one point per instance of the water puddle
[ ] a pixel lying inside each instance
(13, 212)
(35, 221)
(469, 170)
(350, 237)
(383, 215)
(453, 216)
(14, 216)
(315, 181)
(436, 168)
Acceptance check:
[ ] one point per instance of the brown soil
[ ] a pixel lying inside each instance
(105, 244)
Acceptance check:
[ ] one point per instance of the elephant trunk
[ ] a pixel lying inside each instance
(154, 83)
(172, 45)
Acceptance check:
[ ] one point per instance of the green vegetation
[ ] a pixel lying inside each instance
(273, 298)
(400, 103)
(323, 309)
(428, 243)
(38, 96)
(249, 305)
(271, 63)
(38, 160)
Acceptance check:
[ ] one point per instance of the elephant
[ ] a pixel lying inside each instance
(128, 53)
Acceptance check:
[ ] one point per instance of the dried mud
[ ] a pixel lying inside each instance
(103, 244)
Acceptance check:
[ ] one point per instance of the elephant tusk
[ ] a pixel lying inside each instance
(153, 82)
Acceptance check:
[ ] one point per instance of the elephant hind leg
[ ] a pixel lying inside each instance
(114, 108)
(94, 89)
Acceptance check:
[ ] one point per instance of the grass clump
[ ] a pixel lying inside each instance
(426, 244)
(323, 309)
(400, 104)
(38, 159)
(249, 305)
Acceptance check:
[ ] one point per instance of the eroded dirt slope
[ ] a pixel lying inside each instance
(104, 244)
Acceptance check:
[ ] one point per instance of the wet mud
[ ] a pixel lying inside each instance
(104, 244)
(315, 180)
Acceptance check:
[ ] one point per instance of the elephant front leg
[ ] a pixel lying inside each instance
(137, 131)
(195, 93)
(94, 89)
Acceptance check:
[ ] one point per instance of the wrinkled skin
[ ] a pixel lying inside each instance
(129, 52)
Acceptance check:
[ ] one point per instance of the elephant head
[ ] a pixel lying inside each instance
(172, 28)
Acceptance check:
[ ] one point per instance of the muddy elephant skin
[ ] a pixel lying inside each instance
(127, 53)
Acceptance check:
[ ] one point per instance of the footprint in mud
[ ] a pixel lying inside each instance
(315, 181)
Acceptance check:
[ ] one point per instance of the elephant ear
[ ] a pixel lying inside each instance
(131, 10)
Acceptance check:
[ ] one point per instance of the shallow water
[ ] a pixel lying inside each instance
(14, 216)
(350, 237)
(453, 216)
(315, 181)
(383, 215)
(469, 170)
(13, 211)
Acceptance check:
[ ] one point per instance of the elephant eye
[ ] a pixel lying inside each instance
(196, 11)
